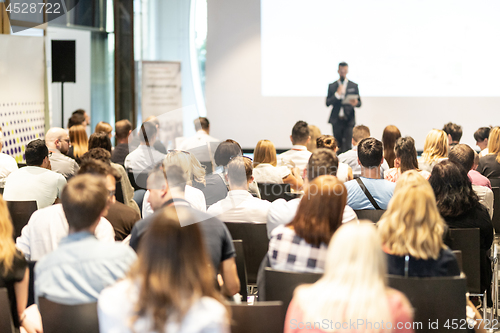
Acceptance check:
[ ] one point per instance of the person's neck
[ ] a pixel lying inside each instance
(120, 142)
(372, 173)
(238, 188)
(299, 144)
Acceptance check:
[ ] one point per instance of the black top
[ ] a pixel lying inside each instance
(122, 218)
(488, 166)
(445, 265)
(119, 153)
(16, 274)
(214, 190)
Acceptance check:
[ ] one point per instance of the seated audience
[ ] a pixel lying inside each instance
(412, 229)
(459, 205)
(389, 137)
(481, 137)
(298, 155)
(8, 164)
(350, 157)
(166, 189)
(266, 169)
(454, 133)
(104, 127)
(123, 129)
(78, 270)
(353, 287)
(158, 145)
(344, 171)
(35, 181)
(213, 187)
(79, 117)
(145, 157)
(475, 177)
(314, 133)
(489, 165)
(369, 191)
(405, 160)
(322, 162)
(240, 205)
(57, 140)
(435, 150)
(301, 245)
(170, 288)
(79, 142)
(14, 274)
(202, 145)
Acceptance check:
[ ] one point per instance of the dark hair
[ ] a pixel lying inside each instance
(322, 162)
(76, 119)
(97, 154)
(404, 149)
(239, 170)
(122, 129)
(370, 152)
(389, 136)
(225, 151)
(454, 130)
(453, 189)
(100, 140)
(79, 111)
(482, 134)
(98, 167)
(201, 123)
(327, 141)
(462, 155)
(343, 64)
(147, 132)
(300, 132)
(35, 152)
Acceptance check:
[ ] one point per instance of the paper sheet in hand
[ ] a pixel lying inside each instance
(349, 98)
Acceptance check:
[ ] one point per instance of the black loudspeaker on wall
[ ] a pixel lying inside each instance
(63, 66)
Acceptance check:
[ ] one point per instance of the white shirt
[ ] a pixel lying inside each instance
(143, 159)
(485, 197)
(116, 307)
(266, 173)
(34, 183)
(343, 172)
(484, 152)
(298, 155)
(7, 165)
(283, 212)
(201, 145)
(47, 227)
(240, 206)
(350, 158)
(192, 195)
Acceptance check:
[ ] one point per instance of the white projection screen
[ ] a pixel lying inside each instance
(419, 64)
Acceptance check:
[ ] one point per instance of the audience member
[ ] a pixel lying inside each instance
(158, 145)
(298, 155)
(266, 171)
(405, 160)
(7, 164)
(57, 140)
(167, 190)
(314, 133)
(435, 150)
(78, 118)
(412, 231)
(353, 287)
(240, 205)
(389, 136)
(475, 177)
(79, 141)
(481, 137)
(454, 133)
(369, 191)
(202, 145)
(35, 181)
(123, 128)
(489, 165)
(104, 127)
(301, 245)
(145, 157)
(170, 288)
(77, 271)
(344, 171)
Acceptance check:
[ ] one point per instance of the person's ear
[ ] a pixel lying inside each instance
(381, 161)
(359, 162)
(354, 143)
(308, 139)
(291, 138)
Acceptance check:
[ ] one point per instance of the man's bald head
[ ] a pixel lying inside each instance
(57, 138)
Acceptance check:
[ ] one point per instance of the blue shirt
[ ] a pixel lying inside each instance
(82, 266)
(380, 189)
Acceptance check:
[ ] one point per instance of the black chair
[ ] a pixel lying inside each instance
(241, 268)
(119, 192)
(20, 212)
(373, 215)
(61, 318)
(6, 322)
(496, 209)
(495, 182)
(467, 241)
(439, 298)
(271, 192)
(458, 255)
(31, 286)
(268, 317)
(139, 180)
(280, 285)
(255, 245)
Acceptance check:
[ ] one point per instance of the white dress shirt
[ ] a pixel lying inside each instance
(7, 165)
(343, 172)
(201, 145)
(240, 206)
(47, 227)
(194, 196)
(485, 197)
(266, 173)
(299, 155)
(483, 152)
(143, 159)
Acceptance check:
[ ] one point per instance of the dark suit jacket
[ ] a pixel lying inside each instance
(352, 89)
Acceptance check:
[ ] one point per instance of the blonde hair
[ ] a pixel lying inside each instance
(314, 133)
(412, 224)
(436, 146)
(494, 142)
(354, 284)
(264, 152)
(192, 168)
(7, 245)
(79, 140)
(103, 126)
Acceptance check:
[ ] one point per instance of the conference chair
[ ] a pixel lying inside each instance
(271, 192)
(20, 212)
(138, 180)
(458, 255)
(373, 215)
(495, 182)
(280, 285)
(268, 317)
(61, 318)
(241, 268)
(434, 299)
(6, 321)
(31, 285)
(495, 220)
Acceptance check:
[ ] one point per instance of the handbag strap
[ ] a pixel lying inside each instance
(367, 193)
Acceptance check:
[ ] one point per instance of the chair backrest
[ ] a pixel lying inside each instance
(31, 286)
(241, 268)
(467, 241)
(255, 245)
(57, 318)
(496, 209)
(6, 322)
(437, 298)
(495, 182)
(271, 192)
(280, 285)
(119, 192)
(458, 255)
(139, 180)
(20, 212)
(373, 215)
(268, 317)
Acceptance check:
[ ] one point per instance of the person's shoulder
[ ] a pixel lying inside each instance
(398, 302)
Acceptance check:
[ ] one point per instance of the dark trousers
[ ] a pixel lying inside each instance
(342, 131)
